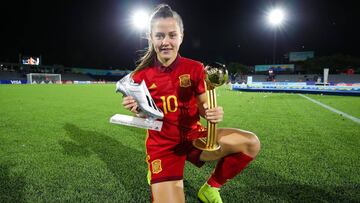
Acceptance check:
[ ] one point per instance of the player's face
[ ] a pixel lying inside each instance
(166, 38)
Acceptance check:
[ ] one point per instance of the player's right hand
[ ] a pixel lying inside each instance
(130, 104)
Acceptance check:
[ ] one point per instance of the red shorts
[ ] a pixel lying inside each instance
(168, 150)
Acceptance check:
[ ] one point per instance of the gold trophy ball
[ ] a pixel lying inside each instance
(216, 74)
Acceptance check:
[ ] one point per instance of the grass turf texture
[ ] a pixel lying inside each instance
(57, 145)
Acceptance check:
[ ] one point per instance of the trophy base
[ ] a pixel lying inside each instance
(201, 144)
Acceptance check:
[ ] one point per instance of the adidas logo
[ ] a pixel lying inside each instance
(153, 86)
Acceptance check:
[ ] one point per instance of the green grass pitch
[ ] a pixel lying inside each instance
(57, 145)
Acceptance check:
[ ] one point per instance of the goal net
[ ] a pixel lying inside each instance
(43, 78)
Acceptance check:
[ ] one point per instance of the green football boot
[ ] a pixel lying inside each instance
(208, 194)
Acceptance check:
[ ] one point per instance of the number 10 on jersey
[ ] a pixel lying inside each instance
(170, 103)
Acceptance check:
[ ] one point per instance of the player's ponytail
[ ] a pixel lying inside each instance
(161, 11)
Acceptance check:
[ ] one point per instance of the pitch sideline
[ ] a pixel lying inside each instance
(333, 110)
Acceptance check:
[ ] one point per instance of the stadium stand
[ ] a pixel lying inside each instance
(14, 71)
(74, 76)
(335, 78)
(5, 75)
(344, 78)
(65, 76)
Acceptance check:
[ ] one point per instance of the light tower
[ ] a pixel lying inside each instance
(276, 18)
(140, 20)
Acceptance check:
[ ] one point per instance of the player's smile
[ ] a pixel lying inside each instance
(166, 50)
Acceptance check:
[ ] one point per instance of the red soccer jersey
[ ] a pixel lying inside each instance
(174, 89)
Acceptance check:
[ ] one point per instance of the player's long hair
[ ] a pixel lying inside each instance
(161, 11)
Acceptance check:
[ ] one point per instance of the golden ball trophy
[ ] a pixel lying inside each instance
(216, 75)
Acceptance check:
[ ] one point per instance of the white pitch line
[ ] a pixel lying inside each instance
(332, 109)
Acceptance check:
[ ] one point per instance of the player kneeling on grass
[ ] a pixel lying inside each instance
(176, 85)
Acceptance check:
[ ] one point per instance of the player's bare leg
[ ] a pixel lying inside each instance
(168, 191)
(232, 140)
(238, 149)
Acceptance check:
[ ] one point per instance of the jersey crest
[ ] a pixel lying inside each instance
(185, 80)
(156, 166)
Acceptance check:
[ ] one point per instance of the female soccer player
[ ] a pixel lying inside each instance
(177, 86)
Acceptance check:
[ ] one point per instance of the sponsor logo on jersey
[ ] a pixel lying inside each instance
(185, 80)
(156, 166)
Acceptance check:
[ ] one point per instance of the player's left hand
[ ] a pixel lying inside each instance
(214, 115)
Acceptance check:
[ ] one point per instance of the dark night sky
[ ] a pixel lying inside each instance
(98, 34)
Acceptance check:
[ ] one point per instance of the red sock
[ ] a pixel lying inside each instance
(227, 168)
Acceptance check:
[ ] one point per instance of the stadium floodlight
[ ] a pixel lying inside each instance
(140, 19)
(276, 18)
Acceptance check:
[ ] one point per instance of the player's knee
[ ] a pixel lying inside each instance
(254, 144)
(251, 146)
